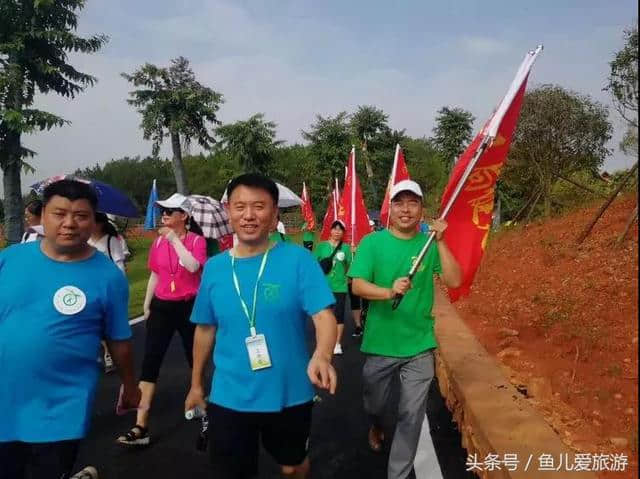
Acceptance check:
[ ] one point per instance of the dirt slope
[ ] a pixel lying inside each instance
(563, 321)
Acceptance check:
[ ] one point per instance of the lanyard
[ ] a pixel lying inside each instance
(251, 318)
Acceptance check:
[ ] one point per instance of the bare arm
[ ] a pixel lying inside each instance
(122, 353)
(203, 341)
(320, 370)
(151, 287)
(365, 289)
(451, 273)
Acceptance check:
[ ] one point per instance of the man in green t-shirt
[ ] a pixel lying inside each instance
(400, 341)
(337, 276)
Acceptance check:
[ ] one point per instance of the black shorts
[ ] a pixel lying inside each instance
(234, 436)
(41, 460)
(340, 306)
(354, 300)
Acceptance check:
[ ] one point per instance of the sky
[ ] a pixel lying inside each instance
(293, 59)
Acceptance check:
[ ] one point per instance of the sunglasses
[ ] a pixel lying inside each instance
(169, 211)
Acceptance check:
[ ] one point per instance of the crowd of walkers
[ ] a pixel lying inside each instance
(64, 303)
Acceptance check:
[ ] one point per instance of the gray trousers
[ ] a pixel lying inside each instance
(416, 374)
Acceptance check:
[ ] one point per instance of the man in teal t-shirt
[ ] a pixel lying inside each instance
(400, 341)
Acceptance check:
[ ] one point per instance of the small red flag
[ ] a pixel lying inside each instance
(470, 216)
(307, 209)
(399, 172)
(332, 213)
(354, 211)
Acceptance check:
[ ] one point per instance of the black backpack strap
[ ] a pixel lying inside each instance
(109, 246)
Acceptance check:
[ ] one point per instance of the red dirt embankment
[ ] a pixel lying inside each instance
(562, 320)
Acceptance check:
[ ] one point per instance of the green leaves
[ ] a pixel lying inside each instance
(251, 143)
(172, 100)
(623, 78)
(452, 133)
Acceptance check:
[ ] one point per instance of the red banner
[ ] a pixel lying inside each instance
(399, 172)
(470, 217)
(307, 209)
(353, 212)
(332, 213)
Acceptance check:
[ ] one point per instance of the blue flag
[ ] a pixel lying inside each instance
(153, 212)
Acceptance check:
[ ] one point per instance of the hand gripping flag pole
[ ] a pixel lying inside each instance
(491, 130)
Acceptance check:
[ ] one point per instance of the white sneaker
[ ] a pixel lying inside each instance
(88, 472)
(337, 349)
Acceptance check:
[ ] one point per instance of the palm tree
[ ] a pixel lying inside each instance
(173, 103)
(35, 37)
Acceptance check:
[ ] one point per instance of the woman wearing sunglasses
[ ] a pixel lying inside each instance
(175, 260)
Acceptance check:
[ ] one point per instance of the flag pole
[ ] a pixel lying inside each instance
(353, 195)
(491, 132)
(335, 201)
(394, 168)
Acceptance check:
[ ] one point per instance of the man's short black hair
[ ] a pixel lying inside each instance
(72, 190)
(339, 224)
(254, 180)
(34, 207)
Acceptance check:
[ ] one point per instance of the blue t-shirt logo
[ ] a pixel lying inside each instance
(69, 300)
(271, 292)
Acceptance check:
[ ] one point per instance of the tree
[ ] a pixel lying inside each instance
(173, 103)
(35, 37)
(452, 133)
(134, 176)
(330, 142)
(623, 78)
(252, 142)
(559, 133)
(623, 86)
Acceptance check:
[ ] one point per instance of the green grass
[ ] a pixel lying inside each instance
(137, 274)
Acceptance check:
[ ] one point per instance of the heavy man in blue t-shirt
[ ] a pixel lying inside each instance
(254, 301)
(59, 298)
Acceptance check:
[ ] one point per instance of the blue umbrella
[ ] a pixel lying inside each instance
(110, 199)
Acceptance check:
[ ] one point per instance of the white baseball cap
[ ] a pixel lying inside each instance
(405, 185)
(176, 200)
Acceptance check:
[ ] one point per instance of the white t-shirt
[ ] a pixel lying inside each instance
(33, 233)
(117, 254)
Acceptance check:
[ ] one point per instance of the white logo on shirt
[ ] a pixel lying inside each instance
(340, 256)
(69, 300)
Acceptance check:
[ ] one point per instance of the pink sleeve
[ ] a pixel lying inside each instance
(152, 263)
(199, 249)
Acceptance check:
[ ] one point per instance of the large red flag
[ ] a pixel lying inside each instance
(307, 209)
(332, 212)
(399, 172)
(470, 216)
(354, 211)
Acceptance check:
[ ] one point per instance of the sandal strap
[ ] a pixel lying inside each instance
(136, 432)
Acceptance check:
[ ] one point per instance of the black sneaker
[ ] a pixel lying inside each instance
(357, 332)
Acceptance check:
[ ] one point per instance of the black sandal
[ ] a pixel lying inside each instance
(136, 436)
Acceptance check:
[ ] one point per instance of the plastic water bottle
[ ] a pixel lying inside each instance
(195, 413)
(203, 436)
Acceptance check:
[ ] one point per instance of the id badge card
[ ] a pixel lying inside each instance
(258, 352)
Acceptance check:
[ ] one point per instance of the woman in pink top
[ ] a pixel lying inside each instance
(175, 260)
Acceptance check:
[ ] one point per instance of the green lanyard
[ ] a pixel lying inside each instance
(251, 318)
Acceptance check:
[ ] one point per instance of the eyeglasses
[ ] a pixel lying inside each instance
(169, 211)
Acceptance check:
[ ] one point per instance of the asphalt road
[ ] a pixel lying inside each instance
(338, 442)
